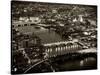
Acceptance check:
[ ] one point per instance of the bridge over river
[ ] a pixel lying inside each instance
(90, 50)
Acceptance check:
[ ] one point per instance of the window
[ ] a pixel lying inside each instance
(25, 24)
(32, 24)
(12, 25)
(19, 25)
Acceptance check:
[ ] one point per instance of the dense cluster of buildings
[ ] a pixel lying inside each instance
(43, 31)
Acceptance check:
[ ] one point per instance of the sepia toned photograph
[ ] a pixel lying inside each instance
(52, 37)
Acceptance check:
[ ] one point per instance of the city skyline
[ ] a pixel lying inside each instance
(44, 33)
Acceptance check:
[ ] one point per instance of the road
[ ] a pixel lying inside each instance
(35, 65)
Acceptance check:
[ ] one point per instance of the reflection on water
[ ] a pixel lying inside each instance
(90, 62)
(67, 63)
(77, 64)
(31, 29)
(49, 36)
(43, 33)
(81, 63)
(86, 63)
